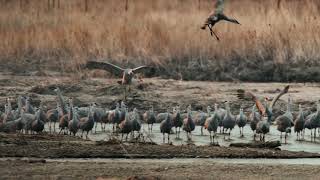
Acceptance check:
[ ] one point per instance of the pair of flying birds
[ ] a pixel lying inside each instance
(128, 74)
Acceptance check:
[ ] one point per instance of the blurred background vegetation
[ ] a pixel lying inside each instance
(279, 40)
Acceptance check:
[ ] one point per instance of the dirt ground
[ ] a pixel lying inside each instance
(17, 169)
(160, 93)
(53, 146)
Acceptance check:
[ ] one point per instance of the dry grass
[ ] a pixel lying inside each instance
(271, 44)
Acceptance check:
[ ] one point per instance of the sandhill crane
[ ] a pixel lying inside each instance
(73, 124)
(150, 118)
(123, 108)
(66, 117)
(165, 127)
(177, 121)
(28, 107)
(53, 117)
(220, 113)
(8, 127)
(9, 106)
(211, 125)
(125, 126)
(100, 115)
(61, 101)
(17, 113)
(255, 117)
(241, 121)
(215, 16)
(87, 123)
(26, 120)
(8, 115)
(299, 123)
(114, 117)
(285, 121)
(313, 121)
(228, 121)
(136, 122)
(38, 125)
(162, 116)
(263, 127)
(201, 118)
(127, 74)
(263, 110)
(63, 122)
(188, 123)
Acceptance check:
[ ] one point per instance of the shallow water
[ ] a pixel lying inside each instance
(198, 139)
(303, 161)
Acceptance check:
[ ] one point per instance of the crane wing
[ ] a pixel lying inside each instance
(148, 71)
(284, 91)
(250, 96)
(116, 70)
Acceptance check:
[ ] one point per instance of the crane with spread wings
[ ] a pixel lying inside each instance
(127, 74)
(264, 111)
(215, 16)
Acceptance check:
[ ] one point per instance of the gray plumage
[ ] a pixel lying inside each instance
(26, 120)
(136, 121)
(263, 127)
(86, 123)
(52, 116)
(241, 121)
(149, 117)
(125, 126)
(38, 125)
(123, 111)
(285, 121)
(9, 127)
(255, 117)
(188, 124)
(177, 121)
(228, 121)
(17, 113)
(61, 101)
(220, 114)
(165, 127)
(299, 123)
(313, 122)
(100, 115)
(161, 116)
(114, 117)
(73, 125)
(211, 125)
(201, 118)
(7, 115)
(28, 107)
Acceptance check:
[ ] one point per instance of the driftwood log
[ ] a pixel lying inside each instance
(268, 144)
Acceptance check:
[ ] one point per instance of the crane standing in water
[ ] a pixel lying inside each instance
(215, 16)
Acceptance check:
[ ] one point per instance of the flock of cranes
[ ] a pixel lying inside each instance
(73, 120)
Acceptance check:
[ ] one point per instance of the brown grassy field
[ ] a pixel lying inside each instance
(276, 42)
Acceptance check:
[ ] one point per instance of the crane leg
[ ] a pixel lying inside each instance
(163, 137)
(213, 33)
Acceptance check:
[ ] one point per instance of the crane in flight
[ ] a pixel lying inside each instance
(127, 74)
(215, 16)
